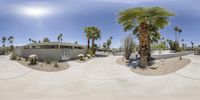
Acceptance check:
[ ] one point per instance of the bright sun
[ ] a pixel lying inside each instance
(35, 11)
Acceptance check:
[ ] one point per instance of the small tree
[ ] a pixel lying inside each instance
(128, 46)
(46, 40)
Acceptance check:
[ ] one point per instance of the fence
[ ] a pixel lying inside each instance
(52, 54)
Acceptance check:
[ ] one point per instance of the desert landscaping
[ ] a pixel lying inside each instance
(99, 49)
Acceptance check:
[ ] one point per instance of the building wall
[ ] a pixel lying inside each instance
(52, 54)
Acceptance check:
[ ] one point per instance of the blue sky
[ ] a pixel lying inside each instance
(37, 19)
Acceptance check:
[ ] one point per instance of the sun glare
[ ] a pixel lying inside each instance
(35, 11)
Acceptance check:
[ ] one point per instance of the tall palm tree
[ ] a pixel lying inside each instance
(10, 39)
(30, 40)
(4, 41)
(192, 44)
(96, 34)
(183, 48)
(144, 22)
(176, 29)
(59, 38)
(179, 35)
(88, 32)
(109, 42)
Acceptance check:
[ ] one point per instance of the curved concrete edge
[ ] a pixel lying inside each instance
(192, 70)
(11, 69)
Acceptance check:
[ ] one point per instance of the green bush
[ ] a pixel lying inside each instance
(33, 59)
(89, 51)
(81, 56)
(13, 56)
(89, 56)
(48, 61)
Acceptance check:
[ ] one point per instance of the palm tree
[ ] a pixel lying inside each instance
(192, 44)
(109, 42)
(179, 35)
(182, 44)
(30, 40)
(144, 22)
(168, 43)
(92, 33)
(96, 34)
(4, 41)
(88, 32)
(10, 39)
(60, 37)
(176, 29)
(34, 41)
(75, 42)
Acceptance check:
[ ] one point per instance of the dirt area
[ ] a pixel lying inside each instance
(161, 67)
(43, 66)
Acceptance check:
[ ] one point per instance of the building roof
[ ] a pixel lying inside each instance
(57, 43)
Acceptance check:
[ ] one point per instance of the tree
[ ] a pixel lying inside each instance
(108, 43)
(30, 40)
(88, 32)
(183, 48)
(192, 44)
(10, 39)
(176, 29)
(177, 38)
(34, 41)
(104, 46)
(128, 46)
(4, 42)
(145, 22)
(92, 33)
(171, 45)
(46, 39)
(75, 42)
(60, 38)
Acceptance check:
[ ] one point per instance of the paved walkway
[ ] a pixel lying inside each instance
(102, 78)
(11, 69)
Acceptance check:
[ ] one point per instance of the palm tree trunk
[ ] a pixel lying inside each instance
(93, 46)
(88, 46)
(143, 41)
(149, 49)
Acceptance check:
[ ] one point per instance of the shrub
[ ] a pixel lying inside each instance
(89, 51)
(81, 56)
(13, 56)
(197, 51)
(48, 61)
(128, 46)
(33, 59)
(89, 56)
(26, 59)
(19, 58)
(56, 64)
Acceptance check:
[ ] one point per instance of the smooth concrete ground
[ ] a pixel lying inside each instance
(102, 78)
